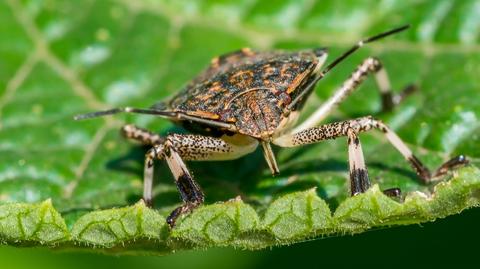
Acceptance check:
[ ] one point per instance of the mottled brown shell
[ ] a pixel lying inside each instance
(247, 88)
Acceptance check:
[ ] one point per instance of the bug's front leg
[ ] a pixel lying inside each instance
(190, 191)
(180, 147)
(358, 171)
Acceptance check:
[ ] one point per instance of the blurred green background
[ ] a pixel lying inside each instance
(125, 51)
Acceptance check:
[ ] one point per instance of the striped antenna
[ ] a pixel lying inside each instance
(124, 110)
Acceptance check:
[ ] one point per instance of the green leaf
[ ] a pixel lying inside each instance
(69, 184)
(32, 223)
(231, 223)
(297, 215)
(111, 227)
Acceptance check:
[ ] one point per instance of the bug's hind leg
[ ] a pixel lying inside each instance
(389, 99)
(358, 171)
(367, 67)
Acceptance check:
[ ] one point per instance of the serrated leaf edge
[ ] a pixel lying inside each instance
(290, 218)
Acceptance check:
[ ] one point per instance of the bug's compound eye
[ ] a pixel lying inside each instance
(283, 99)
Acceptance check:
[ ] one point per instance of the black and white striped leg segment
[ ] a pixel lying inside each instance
(368, 66)
(177, 148)
(190, 191)
(359, 181)
(351, 128)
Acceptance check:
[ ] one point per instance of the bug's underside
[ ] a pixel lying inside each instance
(248, 89)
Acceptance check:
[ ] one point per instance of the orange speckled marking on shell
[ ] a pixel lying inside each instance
(297, 81)
(248, 88)
(204, 114)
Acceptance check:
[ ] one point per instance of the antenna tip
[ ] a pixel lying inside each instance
(403, 27)
(398, 29)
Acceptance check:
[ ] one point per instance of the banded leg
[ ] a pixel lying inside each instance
(370, 65)
(176, 149)
(359, 181)
(190, 191)
(356, 126)
(141, 135)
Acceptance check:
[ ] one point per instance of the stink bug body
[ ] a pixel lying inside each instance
(249, 98)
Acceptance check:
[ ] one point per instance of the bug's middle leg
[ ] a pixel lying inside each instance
(359, 181)
(180, 147)
(358, 172)
(367, 67)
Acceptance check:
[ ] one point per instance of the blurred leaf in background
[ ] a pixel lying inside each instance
(61, 58)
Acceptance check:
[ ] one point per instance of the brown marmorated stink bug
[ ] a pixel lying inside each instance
(248, 98)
